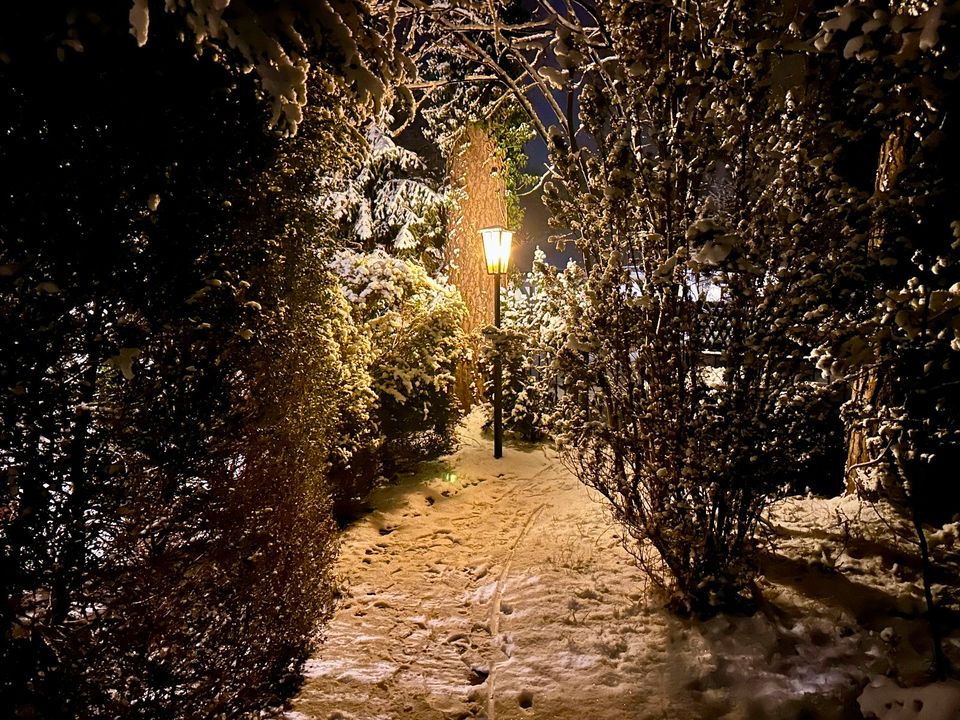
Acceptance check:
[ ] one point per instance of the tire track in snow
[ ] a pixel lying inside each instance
(498, 599)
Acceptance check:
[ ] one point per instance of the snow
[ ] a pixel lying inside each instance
(140, 21)
(885, 700)
(507, 593)
(390, 201)
(124, 361)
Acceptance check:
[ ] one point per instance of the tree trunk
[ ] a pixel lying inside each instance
(70, 575)
(868, 388)
(476, 174)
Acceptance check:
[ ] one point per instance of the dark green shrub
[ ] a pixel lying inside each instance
(174, 380)
(413, 325)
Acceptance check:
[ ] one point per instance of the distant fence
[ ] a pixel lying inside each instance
(716, 330)
(715, 326)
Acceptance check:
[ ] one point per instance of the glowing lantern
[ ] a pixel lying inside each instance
(496, 249)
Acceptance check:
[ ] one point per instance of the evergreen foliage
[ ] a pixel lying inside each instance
(179, 371)
(391, 202)
(531, 342)
(393, 220)
(413, 325)
(510, 131)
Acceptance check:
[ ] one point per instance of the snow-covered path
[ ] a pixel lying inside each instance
(504, 592)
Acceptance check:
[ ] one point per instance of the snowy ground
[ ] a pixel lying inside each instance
(504, 592)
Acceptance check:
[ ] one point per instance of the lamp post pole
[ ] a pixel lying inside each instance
(496, 252)
(497, 376)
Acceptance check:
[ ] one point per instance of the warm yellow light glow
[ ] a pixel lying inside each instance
(496, 248)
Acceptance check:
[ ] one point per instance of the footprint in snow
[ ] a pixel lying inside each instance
(477, 665)
(477, 677)
(458, 638)
(479, 571)
(340, 715)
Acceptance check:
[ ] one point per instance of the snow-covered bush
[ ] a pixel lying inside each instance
(391, 202)
(413, 323)
(356, 445)
(524, 403)
(176, 373)
(678, 150)
(283, 43)
(895, 337)
(532, 335)
(811, 437)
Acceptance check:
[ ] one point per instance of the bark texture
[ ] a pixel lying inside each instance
(868, 388)
(477, 176)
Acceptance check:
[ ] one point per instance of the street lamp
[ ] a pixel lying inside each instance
(496, 249)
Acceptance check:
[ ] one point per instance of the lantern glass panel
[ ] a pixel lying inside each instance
(496, 249)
